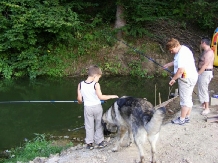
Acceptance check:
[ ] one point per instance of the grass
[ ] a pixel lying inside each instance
(39, 147)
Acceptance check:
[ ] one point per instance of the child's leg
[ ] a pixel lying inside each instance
(89, 124)
(99, 136)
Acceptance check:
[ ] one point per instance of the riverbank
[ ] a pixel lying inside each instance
(194, 142)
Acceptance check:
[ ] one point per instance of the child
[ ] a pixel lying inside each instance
(89, 91)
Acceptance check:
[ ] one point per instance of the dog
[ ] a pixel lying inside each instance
(139, 118)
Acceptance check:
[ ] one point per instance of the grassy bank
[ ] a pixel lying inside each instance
(40, 146)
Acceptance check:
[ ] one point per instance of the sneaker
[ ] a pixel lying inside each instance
(187, 120)
(90, 146)
(102, 144)
(178, 121)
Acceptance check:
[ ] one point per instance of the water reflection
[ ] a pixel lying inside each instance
(21, 120)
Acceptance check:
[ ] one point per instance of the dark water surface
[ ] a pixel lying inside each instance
(19, 121)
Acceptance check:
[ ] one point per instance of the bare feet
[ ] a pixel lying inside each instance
(206, 111)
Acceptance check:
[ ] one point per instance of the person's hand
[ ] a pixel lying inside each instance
(79, 102)
(172, 82)
(166, 66)
(114, 96)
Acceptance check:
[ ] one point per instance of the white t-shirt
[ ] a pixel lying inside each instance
(89, 95)
(184, 59)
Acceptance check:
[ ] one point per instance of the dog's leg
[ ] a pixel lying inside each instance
(140, 137)
(121, 133)
(153, 140)
(130, 135)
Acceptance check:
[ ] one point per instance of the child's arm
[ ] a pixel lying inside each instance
(100, 95)
(79, 95)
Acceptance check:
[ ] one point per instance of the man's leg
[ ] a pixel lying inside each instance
(207, 109)
(185, 111)
(189, 112)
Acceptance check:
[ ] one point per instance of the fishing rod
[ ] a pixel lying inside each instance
(141, 53)
(150, 59)
(52, 101)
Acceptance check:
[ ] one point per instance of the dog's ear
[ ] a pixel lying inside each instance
(125, 101)
(121, 102)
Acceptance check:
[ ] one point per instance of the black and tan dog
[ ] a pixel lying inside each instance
(139, 118)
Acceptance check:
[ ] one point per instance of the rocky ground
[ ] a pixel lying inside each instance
(194, 142)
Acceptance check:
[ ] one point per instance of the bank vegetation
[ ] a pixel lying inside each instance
(61, 37)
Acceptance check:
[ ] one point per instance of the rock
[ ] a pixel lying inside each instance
(66, 137)
(108, 139)
(53, 158)
(40, 160)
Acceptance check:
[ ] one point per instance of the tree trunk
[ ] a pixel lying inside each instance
(120, 21)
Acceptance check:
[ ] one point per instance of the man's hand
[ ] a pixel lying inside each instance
(172, 82)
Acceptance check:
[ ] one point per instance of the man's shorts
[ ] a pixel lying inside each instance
(186, 87)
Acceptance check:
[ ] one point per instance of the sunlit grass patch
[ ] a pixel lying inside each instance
(38, 147)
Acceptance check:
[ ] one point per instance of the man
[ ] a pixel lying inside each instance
(205, 71)
(184, 70)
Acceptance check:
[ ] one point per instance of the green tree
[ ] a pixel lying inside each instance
(28, 29)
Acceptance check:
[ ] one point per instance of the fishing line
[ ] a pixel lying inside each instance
(77, 128)
(52, 101)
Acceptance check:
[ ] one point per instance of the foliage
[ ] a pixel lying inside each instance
(33, 33)
(136, 69)
(206, 16)
(39, 147)
(164, 74)
(43, 37)
(27, 29)
(140, 12)
(112, 67)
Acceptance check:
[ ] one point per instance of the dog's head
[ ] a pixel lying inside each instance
(108, 128)
(109, 119)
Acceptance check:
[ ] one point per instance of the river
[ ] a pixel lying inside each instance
(19, 121)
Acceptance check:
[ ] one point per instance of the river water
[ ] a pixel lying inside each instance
(19, 121)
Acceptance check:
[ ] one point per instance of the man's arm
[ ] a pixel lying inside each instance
(168, 65)
(177, 75)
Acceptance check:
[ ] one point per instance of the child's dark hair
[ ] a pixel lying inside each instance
(94, 70)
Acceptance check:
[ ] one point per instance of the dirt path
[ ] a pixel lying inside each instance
(194, 142)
